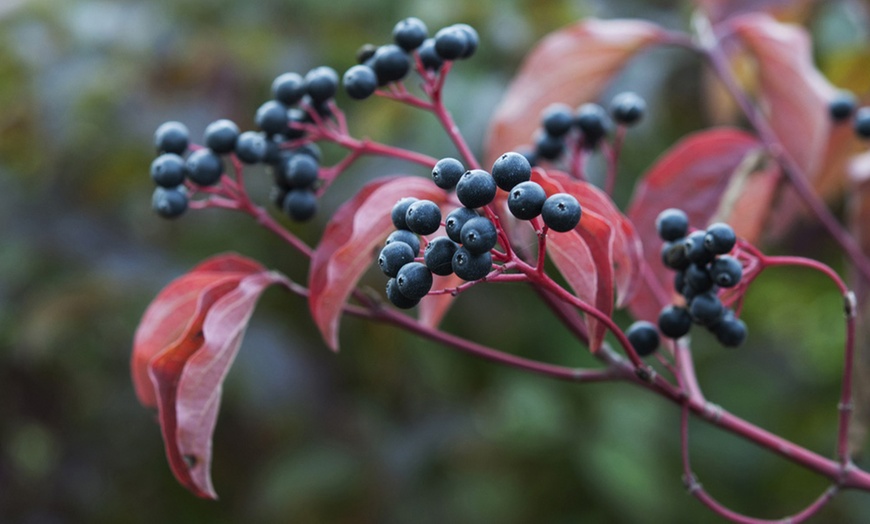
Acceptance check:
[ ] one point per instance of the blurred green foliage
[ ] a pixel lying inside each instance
(393, 429)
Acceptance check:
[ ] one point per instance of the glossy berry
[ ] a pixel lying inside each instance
(300, 171)
(672, 224)
(300, 204)
(644, 337)
(842, 106)
(221, 135)
(400, 208)
(423, 217)
(674, 321)
(478, 235)
(695, 250)
(698, 278)
(627, 108)
(470, 267)
(455, 220)
(451, 43)
(360, 82)
(414, 280)
(410, 33)
(706, 309)
(438, 255)
(429, 57)
(171, 137)
(204, 167)
(365, 53)
(719, 238)
(169, 202)
(447, 172)
(549, 147)
(288, 88)
(472, 39)
(557, 120)
(526, 200)
(295, 118)
(593, 122)
(730, 331)
(321, 83)
(862, 122)
(390, 63)
(406, 237)
(511, 169)
(272, 117)
(726, 271)
(561, 212)
(311, 149)
(397, 298)
(674, 255)
(251, 147)
(476, 188)
(393, 256)
(167, 170)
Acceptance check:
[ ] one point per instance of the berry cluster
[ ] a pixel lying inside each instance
(844, 106)
(382, 65)
(703, 267)
(590, 124)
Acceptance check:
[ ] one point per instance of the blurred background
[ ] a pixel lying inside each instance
(392, 429)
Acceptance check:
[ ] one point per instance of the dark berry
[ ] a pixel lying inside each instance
(706, 309)
(730, 331)
(397, 298)
(557, 120)
(393, 256)
(438, 255)
(530, 154)
(674, 321)
(476, 188)
(423, 217)
(288, 88)
(321, 83)
(390, 63)
(365, 53)
(221, 135)
(296, 117)
(204, 167)
(410, 33)
(429, 57)
(593, 122)
(300, 204)
(726, 271)
(842, 106)
(680, 282)
(561, 212)
(549, 147)
(478, 235)
(359, 82)
(451, 43)
(862, 122)
(171, 137)
(698, 278)
(674, 255)
(627, 108)
(672, 224)
(167, 170)
(319, 107)
(414, 280)
(455, 220)
(272, 117)
(311, 149)
(447, 172)
(526, 200)
(406, 237)
(169, 202)
(251, 147)
(400, 209)
(471, 267)
(719, 238)
(644, 337)
(695, 250)
(472, 39)
(510, 169)
(300, 171)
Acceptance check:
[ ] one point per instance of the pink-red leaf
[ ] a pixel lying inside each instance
(571, 65)
(348, 245)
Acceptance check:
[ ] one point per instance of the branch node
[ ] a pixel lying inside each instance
(850, 304)
(712, 412)
(691, 483)
(647, 374)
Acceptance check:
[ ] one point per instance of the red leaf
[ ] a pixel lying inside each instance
(347, 247)
(693, 175)
(571, 65)
(433, 308)
(722, 9)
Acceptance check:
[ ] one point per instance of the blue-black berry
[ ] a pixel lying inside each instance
(730, 331)
(414, 280)
(171, 137)
(169, 202)
(627, 108)
(706, 309)
(672, 224)
(674, 255)
(469, 267)
(300, 204)
(862, 122)
(365, 53)
(321, 83)
(695, 250)
(410, 33)
(842, 106)
(674, 321)
(644, 337)
(390, 63)
(511, 169)
(397, 298)
(526, 200)
(428, 56)
(360, 82)
(406, 237)
(455, 220)
(549, 147)
(221, 135)
(393, 256)
(251, 147)
(451, 43)
(204, 167)
(400, 209)
(561, 212)
(472, 39)
(167, 170)
(438, 255)
(272, 117)
(476, 188)
(478, 235)
(557, 120)
(719, 238)
(726, 271)
(593, 122)
(447, 172)
(288, 88)
(300, 170)
(423, 217)
(698, 278)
